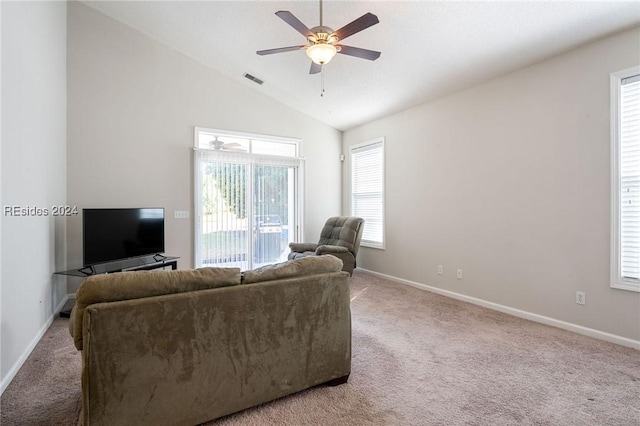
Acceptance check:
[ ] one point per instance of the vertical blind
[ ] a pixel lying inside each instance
(222, 197)
(367, 189)
(629, 134)
(246, 208)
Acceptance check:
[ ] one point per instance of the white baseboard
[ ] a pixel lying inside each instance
(597, 334)
(16, 367)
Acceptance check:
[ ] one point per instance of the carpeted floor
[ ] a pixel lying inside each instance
(418, 359)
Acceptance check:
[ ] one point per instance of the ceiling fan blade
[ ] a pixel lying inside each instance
(371, 55)
(235, 149)
(363, 22)
(315, 68)
(288, 17)
(279, 50)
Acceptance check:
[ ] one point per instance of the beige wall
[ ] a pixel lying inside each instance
(509, 181)
(133, 103)
(33, 174)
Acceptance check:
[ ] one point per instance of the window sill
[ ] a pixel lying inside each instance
(626, 286)
(372, 245)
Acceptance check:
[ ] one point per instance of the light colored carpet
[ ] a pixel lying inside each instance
(418, 359)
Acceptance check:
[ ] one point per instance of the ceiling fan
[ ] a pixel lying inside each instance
(219, 145)
(323, 41)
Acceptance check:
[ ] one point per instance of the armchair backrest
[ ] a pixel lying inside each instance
(343, 231)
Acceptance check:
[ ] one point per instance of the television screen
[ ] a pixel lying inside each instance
(115, 234)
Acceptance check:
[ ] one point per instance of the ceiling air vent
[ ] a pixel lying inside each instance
(252, 78)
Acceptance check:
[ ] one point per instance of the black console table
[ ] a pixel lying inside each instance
(146, 263)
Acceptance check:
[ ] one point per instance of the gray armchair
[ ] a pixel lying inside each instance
(340, 237)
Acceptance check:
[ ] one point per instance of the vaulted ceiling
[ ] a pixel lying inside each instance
(429, 48)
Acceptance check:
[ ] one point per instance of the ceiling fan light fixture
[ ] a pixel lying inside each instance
(321, 53)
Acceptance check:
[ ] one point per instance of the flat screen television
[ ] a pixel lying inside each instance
(123, 233)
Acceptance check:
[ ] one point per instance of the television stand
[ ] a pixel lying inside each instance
(148, 263)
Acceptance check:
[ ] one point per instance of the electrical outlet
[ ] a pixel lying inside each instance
(459, 274)
(440, 270)
(581, 298)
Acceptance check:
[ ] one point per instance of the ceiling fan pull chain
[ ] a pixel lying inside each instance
(322, 82)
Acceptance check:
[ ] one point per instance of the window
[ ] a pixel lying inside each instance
(367, 190)
(625, 179)
(246, 196)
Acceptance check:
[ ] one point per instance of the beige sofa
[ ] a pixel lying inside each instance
(187, 346)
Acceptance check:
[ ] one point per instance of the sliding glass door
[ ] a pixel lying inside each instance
(247, 208)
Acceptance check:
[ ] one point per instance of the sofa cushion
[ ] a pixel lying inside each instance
(139, 284)
(293, 268)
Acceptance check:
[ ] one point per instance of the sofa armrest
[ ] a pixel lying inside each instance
(302, 247)
(328, 249)
(71, 317)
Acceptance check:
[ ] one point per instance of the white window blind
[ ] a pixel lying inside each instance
(630, 176)
(626, 203)
(367, 189)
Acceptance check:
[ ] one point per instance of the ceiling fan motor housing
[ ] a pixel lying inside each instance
(322, 34)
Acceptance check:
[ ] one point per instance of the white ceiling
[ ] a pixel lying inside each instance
(428, 48)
